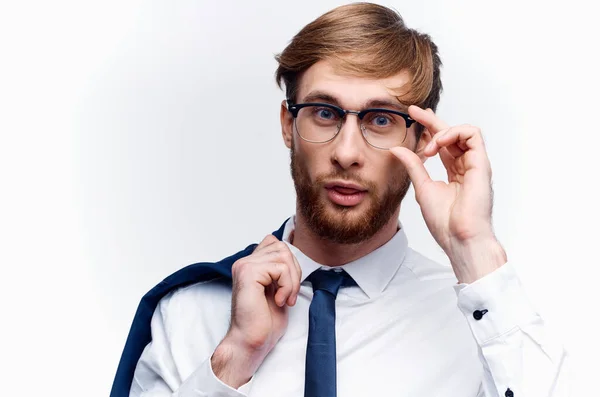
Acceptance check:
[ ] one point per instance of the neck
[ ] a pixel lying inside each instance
(334, 254)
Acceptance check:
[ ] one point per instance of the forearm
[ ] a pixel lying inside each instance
(473, 260)
(234, 365)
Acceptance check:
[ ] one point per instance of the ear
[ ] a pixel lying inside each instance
(287, 123)
(423, 141)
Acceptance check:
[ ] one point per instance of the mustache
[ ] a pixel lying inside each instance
(345, 176)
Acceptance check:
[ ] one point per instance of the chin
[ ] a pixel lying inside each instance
(355, 216)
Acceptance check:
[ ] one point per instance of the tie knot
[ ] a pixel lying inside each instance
(329, 280)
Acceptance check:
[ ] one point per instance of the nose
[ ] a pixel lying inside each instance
(349, 145)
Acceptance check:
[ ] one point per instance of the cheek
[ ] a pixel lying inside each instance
(386, 170)
(305, 161)
(313, 162)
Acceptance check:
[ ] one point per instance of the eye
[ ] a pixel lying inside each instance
(325, 113)
(380, 120)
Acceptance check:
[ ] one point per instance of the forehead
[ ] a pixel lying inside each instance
(352, 91)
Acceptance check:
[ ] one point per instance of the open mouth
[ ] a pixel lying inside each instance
(345, 194)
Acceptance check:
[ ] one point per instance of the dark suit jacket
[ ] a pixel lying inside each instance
(140, 335)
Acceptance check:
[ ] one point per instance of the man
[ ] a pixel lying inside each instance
(335, 303)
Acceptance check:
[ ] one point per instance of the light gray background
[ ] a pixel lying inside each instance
(139, 137)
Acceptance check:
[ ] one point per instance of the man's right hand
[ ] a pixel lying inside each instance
(264, 284)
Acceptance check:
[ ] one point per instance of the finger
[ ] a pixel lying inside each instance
(416, 171)
(284, 255)
(464, 141)
(273, 273)
(276, 248)
(455, 149)
(448, 161)
(465, 137)
(281, 273)
(296, 273)
(280, 253)
(275, 251)
(432, 147)
(427, 118)
(268, 240)
(454, 139)
(297, 264)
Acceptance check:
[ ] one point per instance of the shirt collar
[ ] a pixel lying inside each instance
(373, 272)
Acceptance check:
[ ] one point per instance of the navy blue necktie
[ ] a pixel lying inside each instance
(320, 379)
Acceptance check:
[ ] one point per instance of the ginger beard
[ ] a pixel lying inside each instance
(340, 224)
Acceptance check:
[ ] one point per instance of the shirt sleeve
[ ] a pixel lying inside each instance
(157, 375)
(520, 357)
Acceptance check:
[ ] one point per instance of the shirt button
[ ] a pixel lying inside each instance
(478, 314)
(509, 393)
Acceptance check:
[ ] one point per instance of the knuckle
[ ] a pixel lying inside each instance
(239, 267)
(287, 256)
(283, 268)
(275, 269)
(473, 128)
(236, 265)
(270, 238)
(287, 277)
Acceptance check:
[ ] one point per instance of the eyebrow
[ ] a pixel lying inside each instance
(320, 96)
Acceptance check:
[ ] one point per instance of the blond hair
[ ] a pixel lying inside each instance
(367, 40)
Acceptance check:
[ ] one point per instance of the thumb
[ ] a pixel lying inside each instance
(416, 171)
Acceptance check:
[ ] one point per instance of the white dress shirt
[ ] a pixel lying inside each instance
(406, 329)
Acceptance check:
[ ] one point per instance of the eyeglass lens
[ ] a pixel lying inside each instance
(321, 124)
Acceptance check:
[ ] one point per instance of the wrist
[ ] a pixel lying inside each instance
(235, 364)
(474, 259)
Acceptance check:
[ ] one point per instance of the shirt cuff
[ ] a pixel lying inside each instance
(204, 383)
(495, 304)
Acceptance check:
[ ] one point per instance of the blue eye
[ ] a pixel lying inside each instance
(325, 114)
(381, 121)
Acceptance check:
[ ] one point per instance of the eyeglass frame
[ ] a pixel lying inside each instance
(295, 108)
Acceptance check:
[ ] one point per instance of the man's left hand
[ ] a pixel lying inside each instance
(458, 213)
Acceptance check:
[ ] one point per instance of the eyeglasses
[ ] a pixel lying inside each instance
(321, 122)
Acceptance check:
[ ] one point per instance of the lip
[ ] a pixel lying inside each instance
(345, 185)
(345, 194)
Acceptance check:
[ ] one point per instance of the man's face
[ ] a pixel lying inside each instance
(346, 189)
